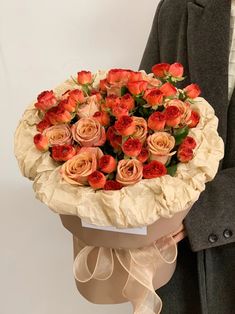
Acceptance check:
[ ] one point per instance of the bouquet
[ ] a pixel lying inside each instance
(124, 149)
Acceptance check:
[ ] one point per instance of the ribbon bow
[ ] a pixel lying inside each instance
(141, 264)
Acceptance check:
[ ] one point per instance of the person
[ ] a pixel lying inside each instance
(200, 34)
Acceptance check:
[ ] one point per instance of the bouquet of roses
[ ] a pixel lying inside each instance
(121, 149)
(119, 127)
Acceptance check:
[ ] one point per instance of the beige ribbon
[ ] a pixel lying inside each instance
(141, 265)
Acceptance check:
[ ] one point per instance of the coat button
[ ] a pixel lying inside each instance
(227, 233)
(212, 238)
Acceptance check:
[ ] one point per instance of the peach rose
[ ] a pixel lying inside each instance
(184, 108)
(59, 134)
(88, 132)
(129, 171)
(141, 128)
(77, 169)
(160, 145)
(89, 108)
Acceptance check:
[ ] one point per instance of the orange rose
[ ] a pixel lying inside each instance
(103, 117)
(184, 108)
(132, 147)
(143, 155)
(194, 119)
(168, 89)
(154, 169)
(137, 87)
(77, 169)
(135, 76)
(154, 97)
(189, 142)
(57, 115)
(129, 101)
(42, 125)
(97, 180)
(84, 77)
(41, 142)
(107, 163)
(184, 154)
(157, 121)
(125, 125)
(63, 152)
(176, 70)
(112, 100)
(173, 116)
(58, 135)
(160, 69)
(118, 75)
(192, 91)
(160, 145)
(129, 171)
(119, 110)
(114, 138)
(88, 132)
(141, 128)
(46, 100)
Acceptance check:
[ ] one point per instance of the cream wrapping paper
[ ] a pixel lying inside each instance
(125, 208)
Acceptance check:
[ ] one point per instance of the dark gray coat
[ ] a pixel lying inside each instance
(196, 33)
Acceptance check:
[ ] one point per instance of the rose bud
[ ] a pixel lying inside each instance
(154, 97)
(137, 87)
(189, 142)
(58, 115)
(102, 117)
(103, 85)
(132, 147)
(135, 76)
(154, 169)
(118, 75)
(112, 185)
(43, 125)
(128, 100)
(84, 77)
(125, 125)
(112, 100)
(168, 89)
(114, 139)
(63, 152)
(176, 70)
(160, 69)
(67, 106)
(173, 116)
(46, 100)
(77, 96)
(107, 163)
(119, 110)
(41, 142)
(184, 154)
(97, 180)
(194, 119)
(192, 91)
(157, 121)
(143, 155)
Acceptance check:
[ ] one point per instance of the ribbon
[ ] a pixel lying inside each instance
(142, 265)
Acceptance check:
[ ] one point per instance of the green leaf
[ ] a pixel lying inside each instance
(124, 90)
(180, 134)
(171, 170)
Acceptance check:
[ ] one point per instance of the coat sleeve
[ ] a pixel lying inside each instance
(211, 220)
(151, 54)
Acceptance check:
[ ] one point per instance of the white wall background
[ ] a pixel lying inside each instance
(41, 43)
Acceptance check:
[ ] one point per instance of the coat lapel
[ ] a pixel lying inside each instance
(208, 53)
